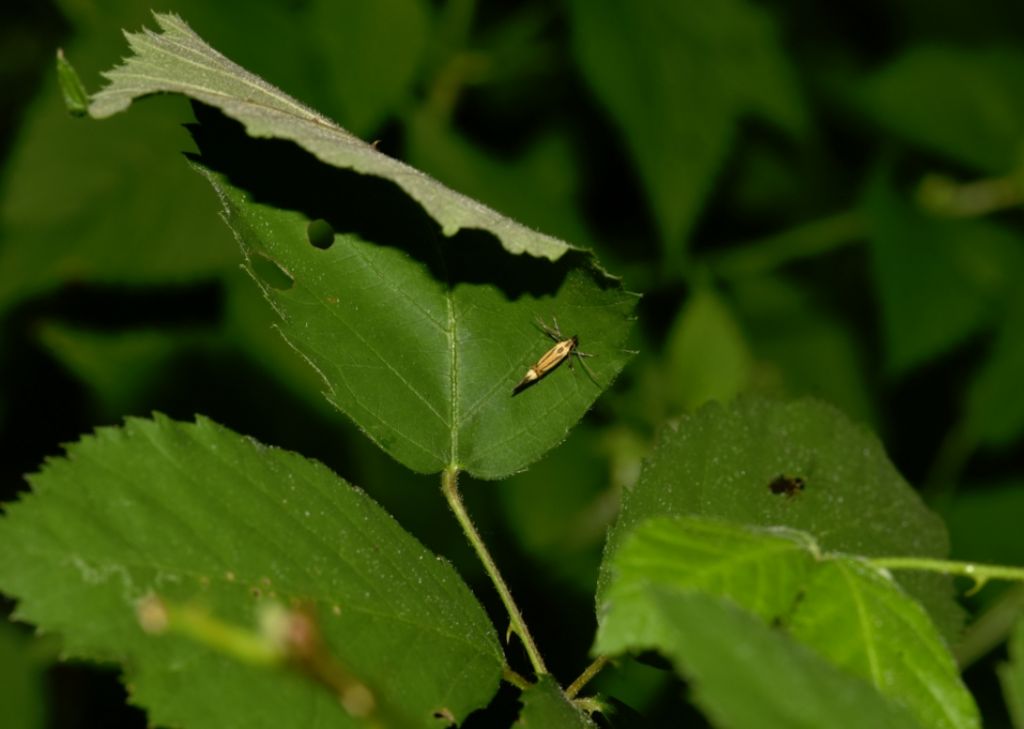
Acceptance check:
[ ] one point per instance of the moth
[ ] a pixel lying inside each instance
(565, 348)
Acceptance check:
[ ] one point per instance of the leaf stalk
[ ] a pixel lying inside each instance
(450, 487)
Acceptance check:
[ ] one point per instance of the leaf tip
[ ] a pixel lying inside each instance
(76, 98)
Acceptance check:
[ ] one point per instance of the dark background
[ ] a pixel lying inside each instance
(814, 198)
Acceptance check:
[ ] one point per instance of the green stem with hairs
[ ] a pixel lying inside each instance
(450, 487)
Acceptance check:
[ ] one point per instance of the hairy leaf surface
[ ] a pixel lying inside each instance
(201, 516)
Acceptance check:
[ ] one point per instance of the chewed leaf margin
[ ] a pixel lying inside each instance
(177, 60)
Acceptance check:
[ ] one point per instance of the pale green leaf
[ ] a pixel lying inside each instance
(721, 463)
(1011, 676)
(676, 77)
(412, 338)
(962, 102)
(863, 622)
(708, 356)
(22, 678)
(176, 60)
(846, 611)
(205, 517)
(744, 674)
(545, 707)
(760, 570)
(538, 187)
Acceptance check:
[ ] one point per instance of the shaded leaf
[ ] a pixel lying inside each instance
(964, 103)
(983, 522)
(801, 348)
(676, 77)
(743, 673)
(369, 53)
(938, 279)
(1011, 676)
(545, 707)
(202, 516)
(708, 356)
(22, 675)
(721, 462)
(120, 366)
(992, 417)
(539, 187)
(176, 60)
(412, 338)
(563, 528)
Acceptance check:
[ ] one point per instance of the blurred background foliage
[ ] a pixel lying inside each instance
(814, 199)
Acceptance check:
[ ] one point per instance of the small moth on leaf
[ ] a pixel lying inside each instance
(565, 348)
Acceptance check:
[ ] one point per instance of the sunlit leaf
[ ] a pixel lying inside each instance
(866, 624)
(201, 516)
(743, 673)
(843, 609)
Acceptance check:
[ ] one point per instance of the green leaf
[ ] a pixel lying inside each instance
(846, 611)
(564, 528)
(413, 340)
(721, 462)
(1011, 676)
(76, 98)
(938, 279)
(539, 187)
(964, 103)
(368, 55)
(992, 417)
(201, 516)
(545, 707)
(864, 623)
(104, 204)
(120, 367)
(708, 357)
(983, 522)
(22, 677)
(676, 77)
(178, 61)
(800, 347)
(759, 570)
(743, 673)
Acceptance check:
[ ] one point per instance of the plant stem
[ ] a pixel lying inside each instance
(991, 628)
(584, 678)
(514, 678)
(450, 487)
(980, 573)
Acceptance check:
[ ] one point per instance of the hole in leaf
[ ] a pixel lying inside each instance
(320, 234)
(271, 272)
